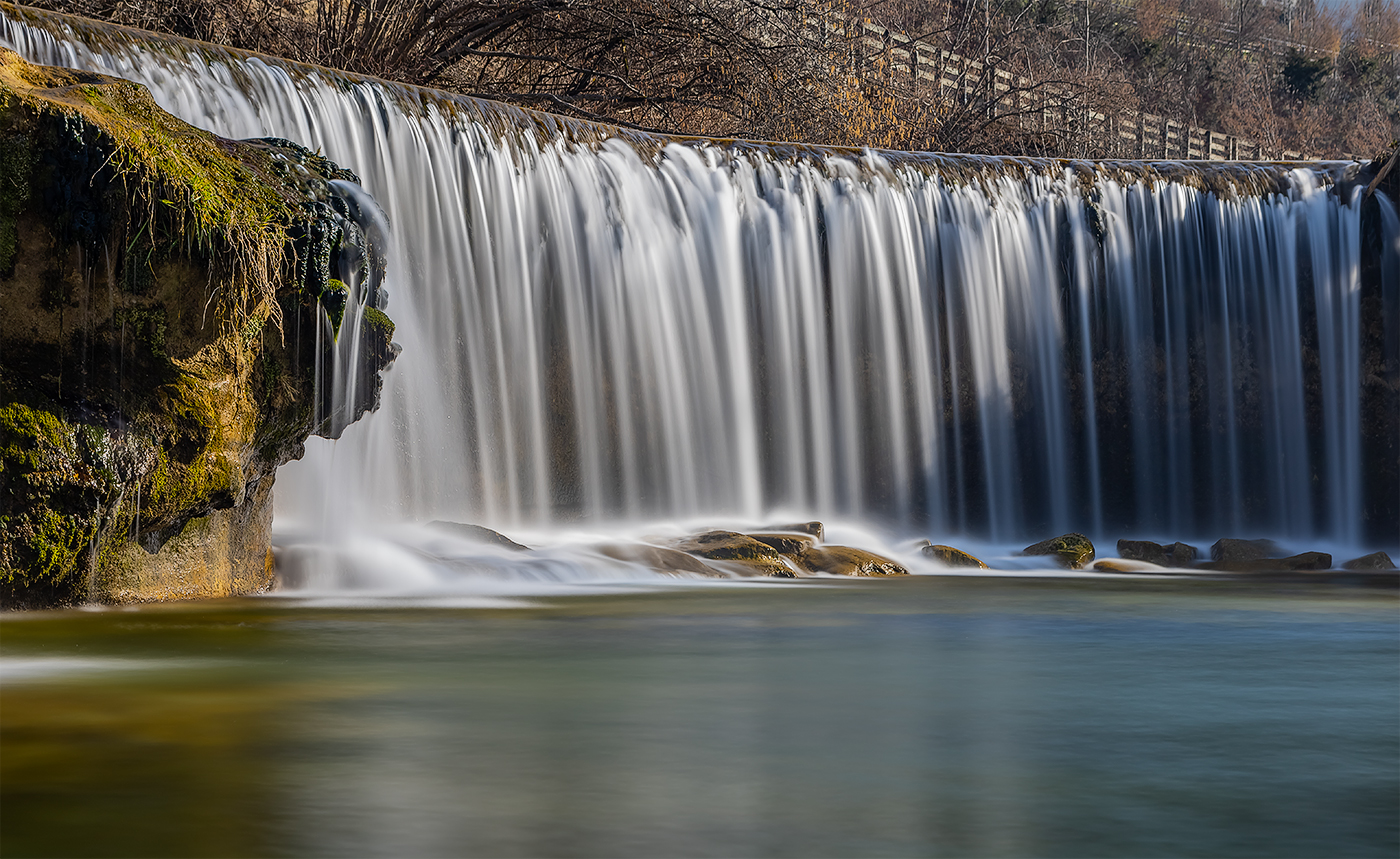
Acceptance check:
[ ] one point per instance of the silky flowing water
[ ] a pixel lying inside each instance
(604, 327)
(929, 716)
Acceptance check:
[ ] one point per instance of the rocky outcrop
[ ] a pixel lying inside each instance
(1072, 551)
(161, 290)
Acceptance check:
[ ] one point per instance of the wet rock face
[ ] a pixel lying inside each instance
(1073, 551)
(158, 343)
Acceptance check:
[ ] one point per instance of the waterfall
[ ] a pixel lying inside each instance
(600, 326)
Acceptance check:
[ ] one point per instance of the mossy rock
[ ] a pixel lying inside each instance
(149, 384)
(52, 502)
(785, 543)
(1073, 551)
(737, 553)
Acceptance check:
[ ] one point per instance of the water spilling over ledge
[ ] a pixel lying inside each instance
(601, 325)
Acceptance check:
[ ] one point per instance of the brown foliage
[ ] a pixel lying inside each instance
(805, 69)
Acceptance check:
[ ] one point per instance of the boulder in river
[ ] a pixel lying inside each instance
(1373, 561)
(951, 557)
(846, 561)
(739, 553)
(789, 543)
(1124, 565)
(1305, 561)
(1073, 551)
(1161, 554)
(1231, 550)
(478, 534)
(658, 558)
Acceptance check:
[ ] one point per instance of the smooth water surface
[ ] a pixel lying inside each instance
(928, 716)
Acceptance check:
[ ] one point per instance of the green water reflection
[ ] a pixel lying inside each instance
(966, 717)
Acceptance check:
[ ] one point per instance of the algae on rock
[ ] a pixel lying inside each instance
(162, 290)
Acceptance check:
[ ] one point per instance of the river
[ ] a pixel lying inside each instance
(968, 716)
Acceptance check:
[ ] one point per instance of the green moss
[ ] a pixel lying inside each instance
(32, 440)
(379, 322)
(58, 544)
(40, 462)
(333, 299)
(145, 325)
(16, 160)
(191, 467)
(218, 194)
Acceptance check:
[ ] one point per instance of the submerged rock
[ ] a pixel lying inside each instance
(951, 557)
(1231, 550)
(658, 558)
(478, 534)
(1122, 565)
(1301, 562)
(812, 529)
(1162, 555)
(739, 553)
(153, 377)
(1373, 561)
(846, 561)
(1073, 551)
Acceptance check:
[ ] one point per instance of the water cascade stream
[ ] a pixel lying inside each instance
(611, 328)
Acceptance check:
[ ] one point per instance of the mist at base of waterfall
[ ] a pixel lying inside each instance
(332, 549)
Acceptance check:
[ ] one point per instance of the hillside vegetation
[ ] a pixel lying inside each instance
(1292, 76)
